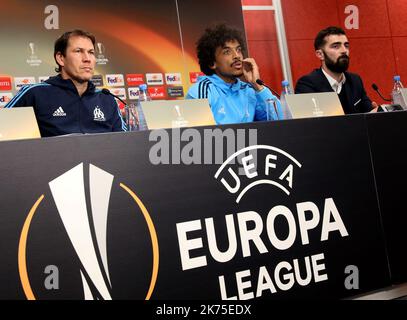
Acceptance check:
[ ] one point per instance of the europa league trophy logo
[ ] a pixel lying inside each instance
(317, 110)
(32, 49)
(180, 121)
(101, 58)
(33, 59)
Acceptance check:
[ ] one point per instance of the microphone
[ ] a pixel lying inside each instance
(107, 91)
(376, 88)
(261, 82)
(132, 117)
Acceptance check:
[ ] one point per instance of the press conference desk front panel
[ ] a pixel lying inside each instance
(292, 209)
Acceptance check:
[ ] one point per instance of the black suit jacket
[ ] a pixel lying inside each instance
(353, 97)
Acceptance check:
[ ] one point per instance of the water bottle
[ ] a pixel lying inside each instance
(272, 110)
(286, 88)
(396, 93)
(143, 96)
(132, 119)
(284, 106)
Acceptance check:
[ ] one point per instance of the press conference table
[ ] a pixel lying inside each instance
(312, 208)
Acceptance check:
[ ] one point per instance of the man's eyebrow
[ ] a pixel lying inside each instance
(339, 42)
(227, 47)
(84, 49)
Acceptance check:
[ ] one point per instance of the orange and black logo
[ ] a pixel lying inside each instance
(98, 234)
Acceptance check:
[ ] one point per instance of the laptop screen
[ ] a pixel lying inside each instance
(310, 105)
(18, 123)
(404, 95)
(177, 113)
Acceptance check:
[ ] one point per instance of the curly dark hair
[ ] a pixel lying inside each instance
(213, 38)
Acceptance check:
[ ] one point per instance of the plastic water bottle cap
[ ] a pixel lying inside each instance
(143, 86)
(396, 78)
(285, 83)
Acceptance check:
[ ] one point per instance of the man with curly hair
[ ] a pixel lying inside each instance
(221, 54)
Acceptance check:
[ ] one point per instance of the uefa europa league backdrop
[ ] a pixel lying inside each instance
(138, 41)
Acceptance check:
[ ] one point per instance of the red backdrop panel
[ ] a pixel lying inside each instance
(400, 53)
(378, 47)
(304, 18)
(260, 25)
(373, 18)
(302, 57)
(372, 59)
(268, 59)
(398, 17)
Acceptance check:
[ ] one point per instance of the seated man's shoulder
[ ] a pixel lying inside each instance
(35, 88)
(309, 82)
(352, 76)
(201, 88)
(28, 94)
(316, 73)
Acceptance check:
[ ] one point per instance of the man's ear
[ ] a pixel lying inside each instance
(213, 66)
(319, 54)
(60, 59)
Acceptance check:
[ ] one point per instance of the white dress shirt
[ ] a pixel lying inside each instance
(336, 86)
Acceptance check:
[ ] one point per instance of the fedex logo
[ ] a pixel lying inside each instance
(134, 93)
(193, 76)
(134, 79)
(19, 82)
(173, 78)
(5, 97)
(5, 83)
(120, 92)
(155, 79)
(156, 93)
(115, 80)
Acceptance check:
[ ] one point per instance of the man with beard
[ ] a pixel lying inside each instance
(221, 51)
(332, 48)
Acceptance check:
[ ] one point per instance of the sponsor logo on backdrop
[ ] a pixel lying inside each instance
(89, 241)
(154, 79)
(33, 59)
(193, 76)
(120, 92)
(42, 79)
(5, 97)
(134, 79)
(19, 82)
(115, 80)
(101, 58)
(97, 80)
(173, 78)
(175, 92)
(5, 83)
(156, 92)
(259, 233)
(134, 93)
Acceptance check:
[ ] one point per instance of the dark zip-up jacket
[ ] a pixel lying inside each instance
(60, 110)
(353, 95)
